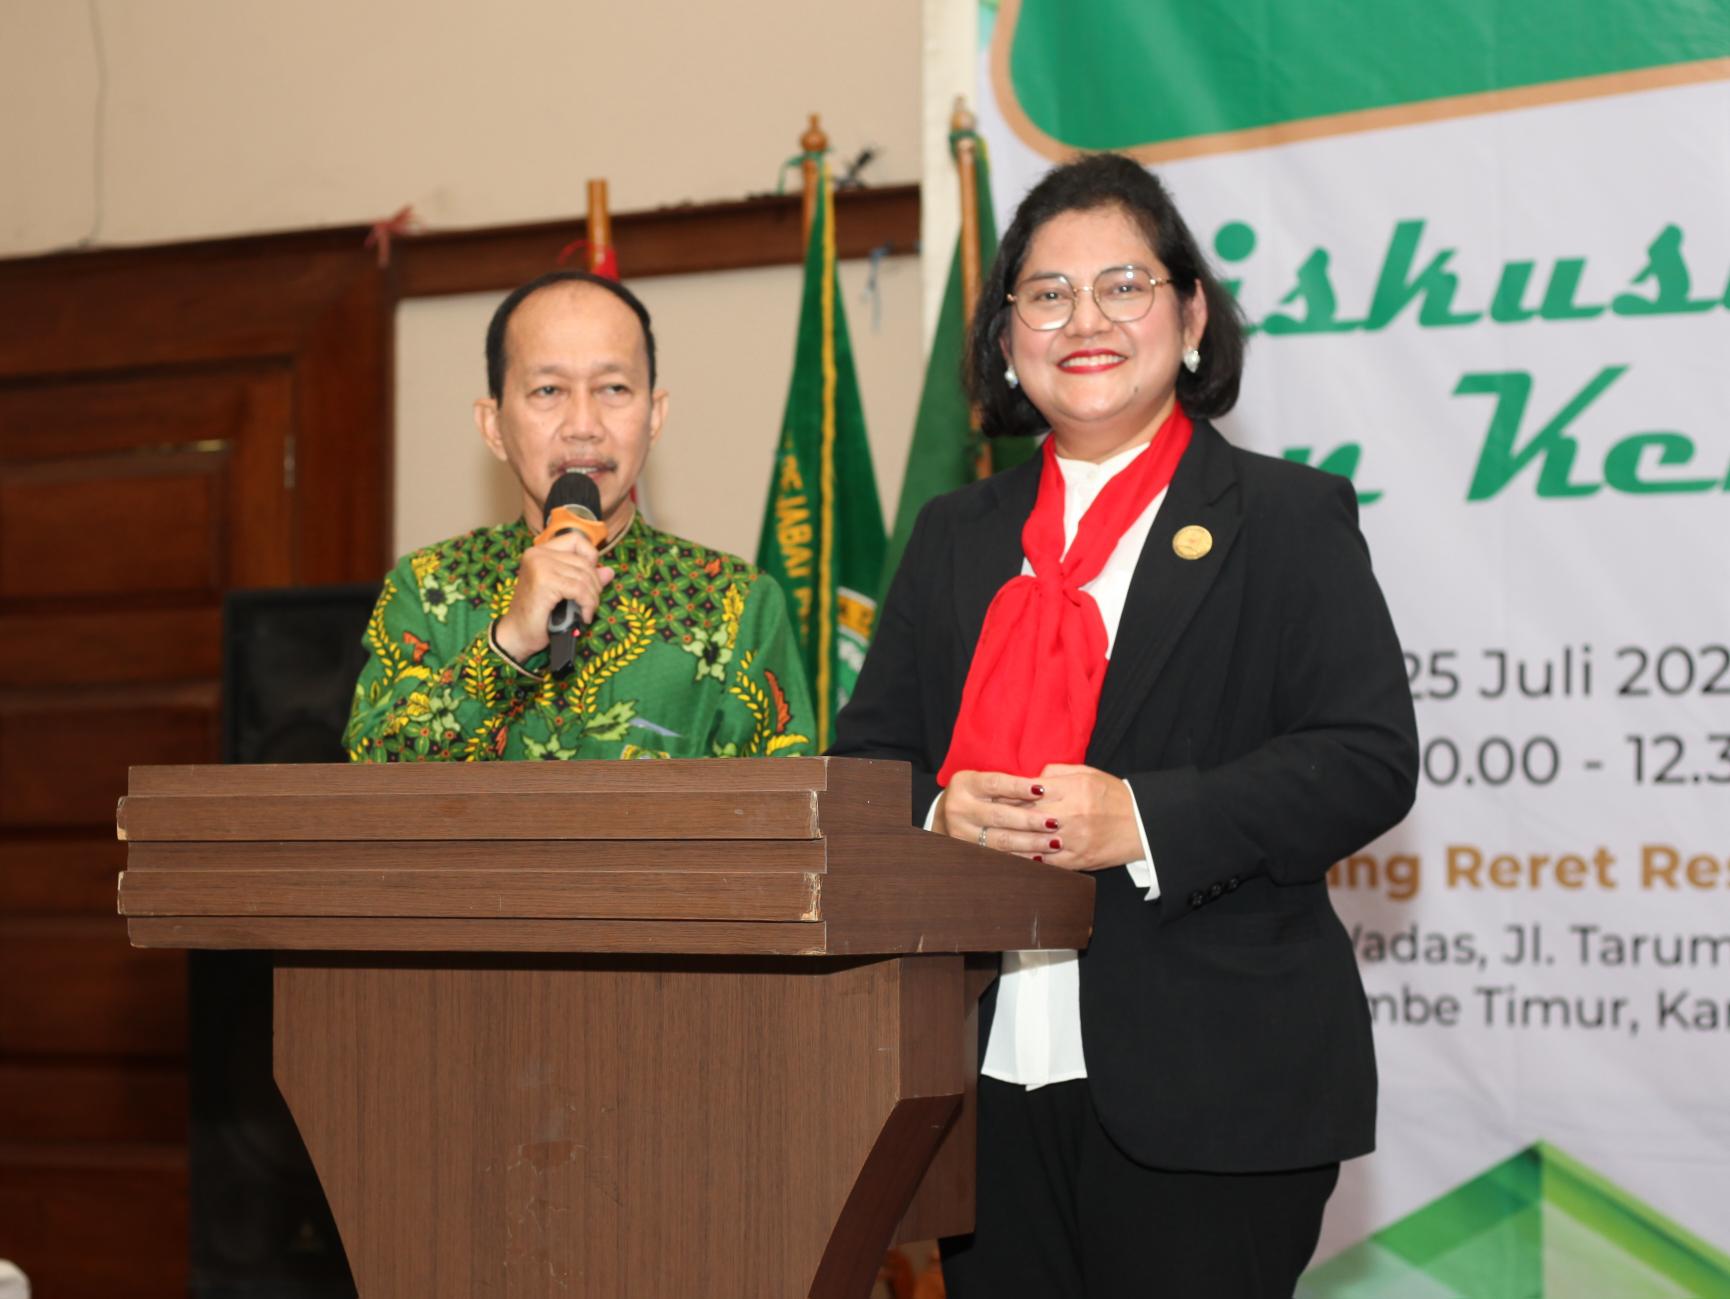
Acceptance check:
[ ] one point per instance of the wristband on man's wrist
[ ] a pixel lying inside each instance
(496, 648)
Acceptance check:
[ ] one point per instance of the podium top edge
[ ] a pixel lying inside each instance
(670, 776)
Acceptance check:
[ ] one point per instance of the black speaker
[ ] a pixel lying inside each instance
(260, 1226)
(290, 659)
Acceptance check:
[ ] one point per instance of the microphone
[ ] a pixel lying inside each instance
(573, 503)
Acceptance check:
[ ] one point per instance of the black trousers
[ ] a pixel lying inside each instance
(1064, 1214)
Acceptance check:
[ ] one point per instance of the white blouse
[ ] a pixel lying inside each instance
(1036, 1032)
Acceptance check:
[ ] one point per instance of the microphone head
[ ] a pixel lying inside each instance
(574, 489)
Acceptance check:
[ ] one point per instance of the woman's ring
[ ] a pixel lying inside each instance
(983, 831)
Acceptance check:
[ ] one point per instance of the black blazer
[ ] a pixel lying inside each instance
(1257, 703)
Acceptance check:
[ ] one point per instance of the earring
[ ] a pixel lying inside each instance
(1010, 377)
(1191, 359)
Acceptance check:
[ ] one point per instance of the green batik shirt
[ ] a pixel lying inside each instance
(691, 655)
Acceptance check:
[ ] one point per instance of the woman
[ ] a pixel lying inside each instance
(1152, 656)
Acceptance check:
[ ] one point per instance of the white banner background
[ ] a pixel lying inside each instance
(1626, 581)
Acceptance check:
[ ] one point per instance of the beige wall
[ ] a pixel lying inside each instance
(726, 352)
(145, 121)
(239, 116)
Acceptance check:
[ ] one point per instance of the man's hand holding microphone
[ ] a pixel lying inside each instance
(560, 579)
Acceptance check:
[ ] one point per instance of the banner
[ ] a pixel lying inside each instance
(1486, 252)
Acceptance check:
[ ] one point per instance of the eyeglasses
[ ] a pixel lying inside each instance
(1122, 294)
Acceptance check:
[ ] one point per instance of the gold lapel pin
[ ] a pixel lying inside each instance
(1192, 542)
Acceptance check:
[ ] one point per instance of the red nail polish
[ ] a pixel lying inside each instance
(1037, 857)
(1039, 791)
(1051, 823)
(1056, 844)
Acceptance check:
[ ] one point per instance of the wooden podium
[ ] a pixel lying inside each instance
(657, 1030)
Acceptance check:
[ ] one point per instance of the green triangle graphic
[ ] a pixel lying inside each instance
(1540, 1225)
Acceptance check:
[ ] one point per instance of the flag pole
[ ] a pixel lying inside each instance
(600, 229)
(812, 145)
(961, 131)
(961, 124)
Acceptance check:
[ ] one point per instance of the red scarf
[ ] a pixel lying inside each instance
(1033, 687)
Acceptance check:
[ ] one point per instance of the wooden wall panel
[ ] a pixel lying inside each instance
(760, 231)
(66, 765)
(67, 988)
(55, 420)
(141, 523)
(45, 874)
(343, 450)
(167, 507)
(102, 1101)
(109, 1225)
(174, 423)
(155, 309)
(181, 329)
(118, 644)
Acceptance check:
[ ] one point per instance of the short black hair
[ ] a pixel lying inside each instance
(1094, 181)
(502, 318)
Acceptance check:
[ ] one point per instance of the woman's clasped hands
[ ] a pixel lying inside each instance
(1076, 817)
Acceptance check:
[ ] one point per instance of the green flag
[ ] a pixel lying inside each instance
(946, 446)
(823, 527)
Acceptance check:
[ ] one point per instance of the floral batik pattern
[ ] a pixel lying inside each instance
(691, 654)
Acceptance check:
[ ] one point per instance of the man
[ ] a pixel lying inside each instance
(689, 652)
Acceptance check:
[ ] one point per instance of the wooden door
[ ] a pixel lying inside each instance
(174, 423)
